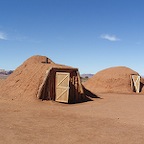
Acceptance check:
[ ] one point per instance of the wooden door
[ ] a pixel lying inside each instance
(62, 87)
(136, 82)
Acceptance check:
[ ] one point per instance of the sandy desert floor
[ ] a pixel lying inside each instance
(110, 119)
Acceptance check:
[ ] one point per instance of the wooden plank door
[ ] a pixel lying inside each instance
(62, 87)
(136, 82)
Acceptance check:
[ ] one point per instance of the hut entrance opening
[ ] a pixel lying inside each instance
(135, 83)
(62, 87)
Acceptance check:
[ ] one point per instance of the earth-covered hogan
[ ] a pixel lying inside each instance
(113, 80)
(39, 77)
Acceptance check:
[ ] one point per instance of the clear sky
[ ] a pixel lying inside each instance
(87, 34)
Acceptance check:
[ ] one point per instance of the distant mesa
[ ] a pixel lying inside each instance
(112, 80)
(86, 75)
(5, 73)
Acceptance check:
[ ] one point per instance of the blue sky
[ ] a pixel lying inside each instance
(88, 34)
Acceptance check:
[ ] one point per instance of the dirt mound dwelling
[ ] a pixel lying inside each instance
(114, 80)
(39, 77)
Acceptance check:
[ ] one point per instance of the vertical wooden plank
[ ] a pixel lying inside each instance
(48, 88)
(53, 88)
(71, 96)
(74, 91)
(76, 88)
(79, 82)
(39, 94)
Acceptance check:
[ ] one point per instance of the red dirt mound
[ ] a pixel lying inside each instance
(111, 80)
(24, 82)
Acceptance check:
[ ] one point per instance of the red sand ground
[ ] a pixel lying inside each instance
(113, 119)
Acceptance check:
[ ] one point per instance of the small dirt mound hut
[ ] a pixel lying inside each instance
(39, 77)
(112, 80)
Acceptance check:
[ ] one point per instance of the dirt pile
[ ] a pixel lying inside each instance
(111, 80)
(24, 82)
(1, 81)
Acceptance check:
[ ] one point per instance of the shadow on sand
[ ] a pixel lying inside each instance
(89, 93)
(88, 96)
(141, 86)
